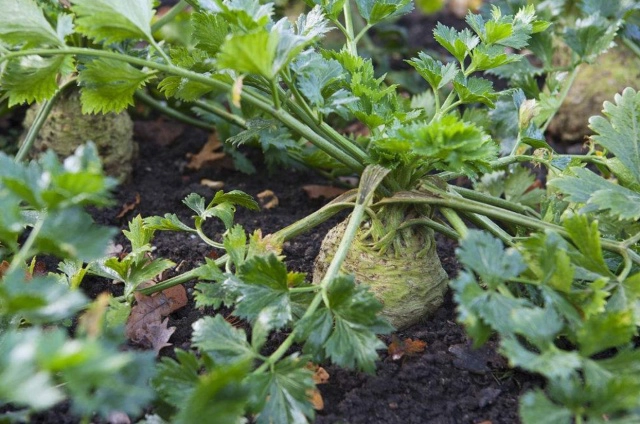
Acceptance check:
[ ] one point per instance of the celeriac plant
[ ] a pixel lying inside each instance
(572, 250)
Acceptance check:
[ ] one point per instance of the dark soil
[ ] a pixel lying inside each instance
(447, 383)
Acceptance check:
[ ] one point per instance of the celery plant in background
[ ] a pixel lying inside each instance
(571, 251)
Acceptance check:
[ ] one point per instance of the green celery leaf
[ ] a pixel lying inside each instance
(176, 379)
(475, 90)
(353, 341)
(117, 314)
(252, 53)
(209, 32)
(486, 57)
(281, 394)
(170, 222)
(23, 23)
(235, 197)
(374, 11)
(235, 243)
(433, 71)
(34, 78)
(224, 343)
(71, 233)
(485, 255)
(247, 15)
(108, 85)
(138, 234)
(314, 330)
(40, 300)
(467, 293)
(553, 363)
(195, 202)
(586, 238)
(536, 408)
(591, 36)
(548, 258)
(218, 396)
(619, 130)
(459, 44)
(596, 193)
(11, 222)
(183, 88)
(540, 326)
(331, 8)
(22, 382)
(603, 331)
(113, 21)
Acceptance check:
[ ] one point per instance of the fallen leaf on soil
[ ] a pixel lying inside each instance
(216, 185)
(268, 199)
(315, 191)
(161, 131)
(207, 155)
(320, 376)
(399, 348)
(113, 249)
(129, 207)
(145, 325)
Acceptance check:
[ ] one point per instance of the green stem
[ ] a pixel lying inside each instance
(443, 229)
(455, 221)
(631, 45)
(256, 100)
(168, 17)
(205, 238)
(495, 201)
(159, 50)
(221, 112)
(171, 112)
(274, 93)
(362, 32)
(24, 252)
(348, 24)
(562, 97)
(41, 117)
(170, 282)
(304, 289)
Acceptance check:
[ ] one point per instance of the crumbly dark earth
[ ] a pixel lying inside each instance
(447, 383)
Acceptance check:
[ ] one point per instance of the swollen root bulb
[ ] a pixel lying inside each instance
(408, 279)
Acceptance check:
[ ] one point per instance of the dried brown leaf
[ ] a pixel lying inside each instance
(4, 266)
(320, 376)
(129, 207)
(145, 325)
(268, 199)
(399, 348)
(215, 185)
(207, 155)
(315, 191)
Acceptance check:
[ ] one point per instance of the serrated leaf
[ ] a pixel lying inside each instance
(281, 394)
(314, 330)
(603, 331)
(433, 71)
(540, 326)
(23, 23)
(235, 197)
(108, 85)
(235, 243)
(586, 238)
(374, 11)
(170, 222)
(176, 379)
(34, 78)
(547, 256)
(113, 21)
(209, 32)
(536, 408)
(489, 57)
(553, 363)
(486, 256)
(138, 234)
(459, 44)
(591, 36)
(619, 130)
(219, 393)
(466, 292)
(475, 90)
(252, 53)
(353, 341)
(219, 339)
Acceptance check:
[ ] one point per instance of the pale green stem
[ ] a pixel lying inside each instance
(159, 50)
(631, 45)
(168, 17)
(362, 32)
(221, 112)
(171, 112)
(443, 229)
(348, 24)
(455, 221)
(631, 240)
(274, 93)
(205, 238)
(562, 97)
(495, 201)
(628, 264)
(516, 144)
(25, 250)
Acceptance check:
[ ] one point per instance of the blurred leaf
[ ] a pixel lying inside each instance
(113, 21)
(218, 338)
(23, 23)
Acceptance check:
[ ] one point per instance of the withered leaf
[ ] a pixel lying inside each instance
(207, 155)
(145, 325)
(315, 191)
(268, 199)
(399, 348)
(4, 266)
(215, 185)
(320, 376)
(129, 207)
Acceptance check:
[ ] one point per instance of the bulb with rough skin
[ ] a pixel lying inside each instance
(407, 278)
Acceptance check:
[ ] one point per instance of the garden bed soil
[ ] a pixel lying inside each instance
(448, 382)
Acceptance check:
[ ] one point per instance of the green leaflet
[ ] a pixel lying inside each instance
(112, 21)
(108, 85)
(34, 78)
(23, 23)
(619, 130)
(374, 11)
(224, 343)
